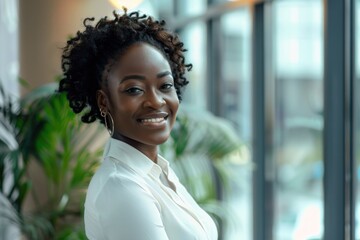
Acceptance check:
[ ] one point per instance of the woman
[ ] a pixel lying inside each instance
(129, 73)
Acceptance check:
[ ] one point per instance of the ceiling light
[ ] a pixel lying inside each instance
(129, 4)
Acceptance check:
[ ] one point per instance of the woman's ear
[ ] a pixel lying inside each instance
(102, 100)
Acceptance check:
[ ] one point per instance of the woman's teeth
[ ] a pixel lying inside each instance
(152, 120)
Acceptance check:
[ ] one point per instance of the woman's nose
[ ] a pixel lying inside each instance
(154, 99)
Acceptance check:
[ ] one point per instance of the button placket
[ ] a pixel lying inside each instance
(179, 201)
(174, 195)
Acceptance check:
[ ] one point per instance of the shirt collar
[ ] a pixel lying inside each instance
(136, 160)
(163, 164)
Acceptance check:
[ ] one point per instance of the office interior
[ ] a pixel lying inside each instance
(278, 78)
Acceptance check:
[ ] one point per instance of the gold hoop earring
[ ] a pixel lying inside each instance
(104, 114)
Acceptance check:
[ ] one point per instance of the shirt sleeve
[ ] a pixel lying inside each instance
(129, 212)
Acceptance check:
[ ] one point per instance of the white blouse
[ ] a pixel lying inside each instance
(127, 200)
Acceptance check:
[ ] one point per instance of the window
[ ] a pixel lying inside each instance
(297, 127)
(234, 89)
(195, 94)
(275, 74)
(9, 46)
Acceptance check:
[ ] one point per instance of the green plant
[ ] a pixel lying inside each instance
(42, 128)
(19, 129)
(66, 151)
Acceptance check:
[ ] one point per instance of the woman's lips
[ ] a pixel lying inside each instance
(154, 119)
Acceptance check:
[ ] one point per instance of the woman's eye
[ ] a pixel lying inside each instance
(167, 86)
(134, 90)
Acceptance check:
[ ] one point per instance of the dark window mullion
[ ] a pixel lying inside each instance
(350, 160)
(263, 204)
(338, 124)
(214, 66)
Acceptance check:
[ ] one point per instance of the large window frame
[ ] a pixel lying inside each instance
(338, 141)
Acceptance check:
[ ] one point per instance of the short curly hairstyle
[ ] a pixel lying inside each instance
(88, 57)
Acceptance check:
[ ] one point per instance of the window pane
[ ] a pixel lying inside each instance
(235, 102)
(9, 46)
(195, 93)
(298, 120)
(191, 8)
(357, 115)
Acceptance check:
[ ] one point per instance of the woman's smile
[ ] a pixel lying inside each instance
(154, 120)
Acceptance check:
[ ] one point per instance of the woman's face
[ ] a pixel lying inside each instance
(141, 97)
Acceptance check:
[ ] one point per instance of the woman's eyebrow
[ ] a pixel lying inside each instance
(139, 77)
(163, 74)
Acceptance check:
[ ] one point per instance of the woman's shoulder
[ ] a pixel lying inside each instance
(120, 190)
(115, 176)
(117, 195)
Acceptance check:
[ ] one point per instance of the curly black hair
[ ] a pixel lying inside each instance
(87, 57)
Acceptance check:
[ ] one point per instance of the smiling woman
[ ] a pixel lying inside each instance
(129, 73)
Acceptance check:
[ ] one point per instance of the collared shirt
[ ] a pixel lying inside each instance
(132, 198)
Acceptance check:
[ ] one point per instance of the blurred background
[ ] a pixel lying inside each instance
(274, 90)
